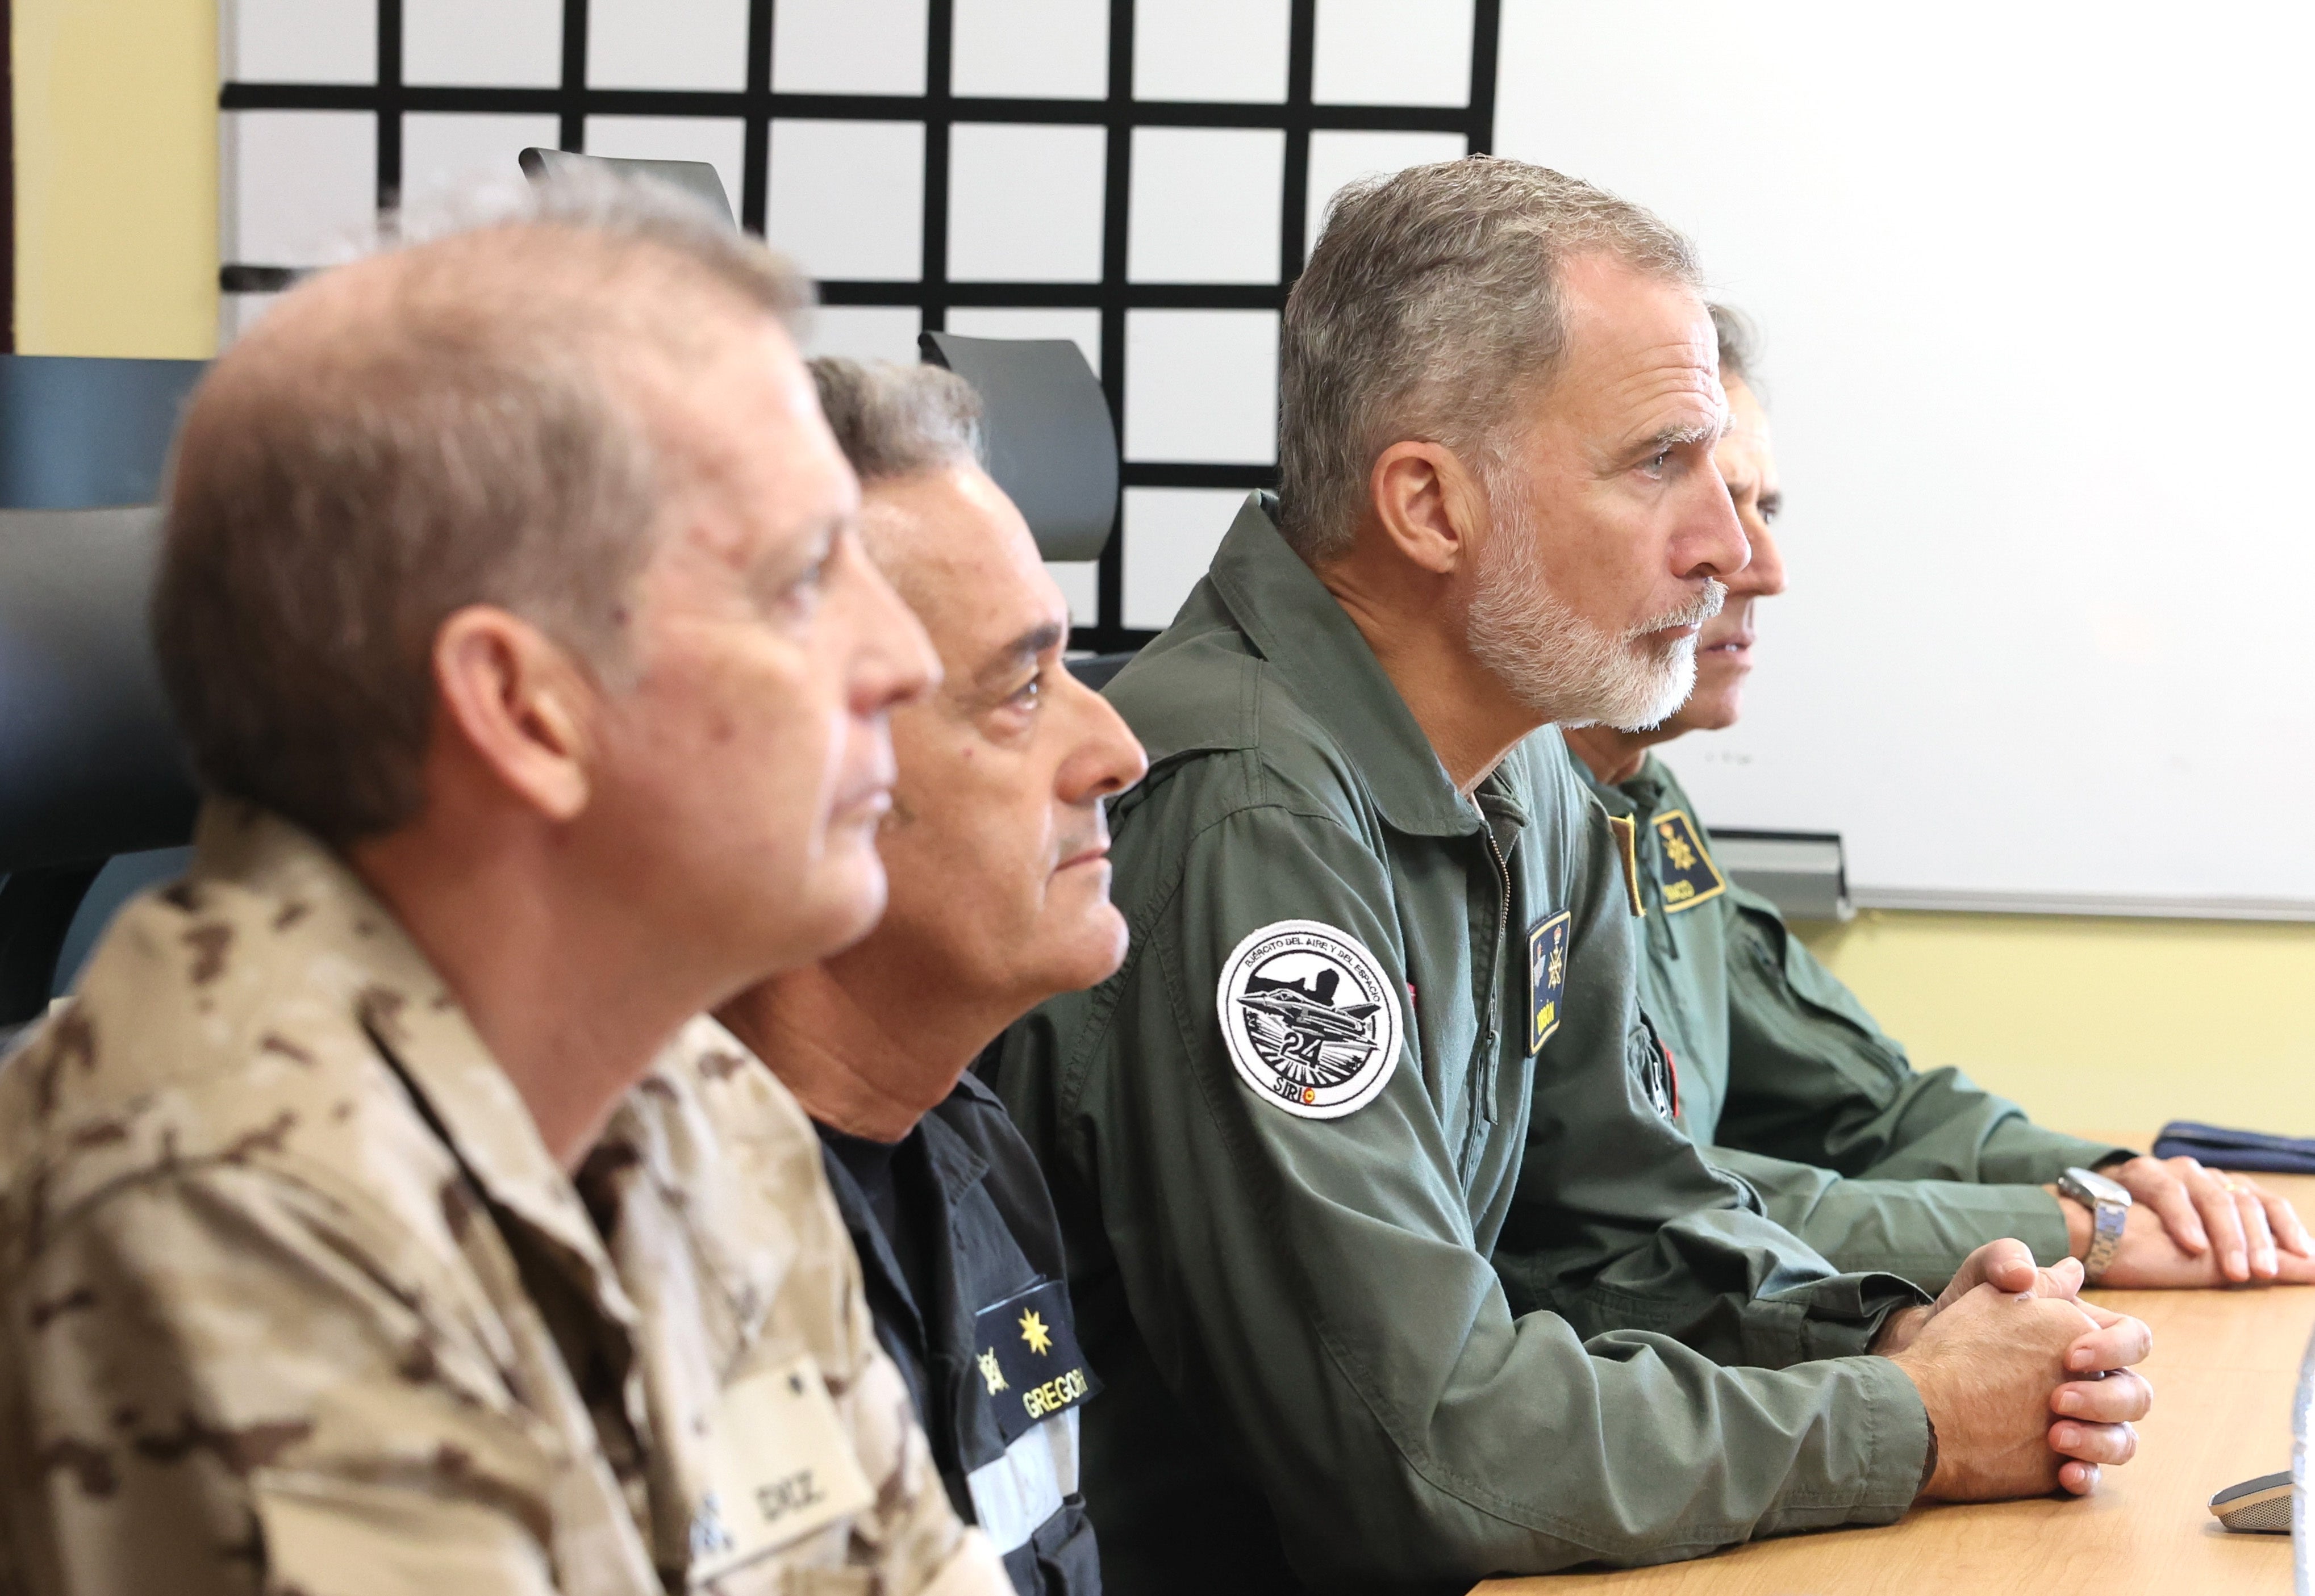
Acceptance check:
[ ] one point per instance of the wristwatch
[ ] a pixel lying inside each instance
(2109, 1205)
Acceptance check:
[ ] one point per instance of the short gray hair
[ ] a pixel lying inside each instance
(1430, 308)
(466, 418)
(897, 421)
(1740, 344)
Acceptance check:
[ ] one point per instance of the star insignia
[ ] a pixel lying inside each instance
(990, 1372)
(1033, 1331)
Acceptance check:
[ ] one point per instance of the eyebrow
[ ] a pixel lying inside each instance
(1705, 433)
(1035, 641)
(783, 561)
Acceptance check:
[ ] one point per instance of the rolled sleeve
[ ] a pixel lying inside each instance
(1921, 1230)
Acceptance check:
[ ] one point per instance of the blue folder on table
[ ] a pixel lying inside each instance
(2223, 1149)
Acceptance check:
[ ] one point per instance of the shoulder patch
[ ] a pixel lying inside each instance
(1310, 1018)
(1684, 871)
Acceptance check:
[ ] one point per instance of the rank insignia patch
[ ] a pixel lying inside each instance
(1684, 871)
(1547, 975)
(1628, 855)
(1310, 1020)
(1026, 1350)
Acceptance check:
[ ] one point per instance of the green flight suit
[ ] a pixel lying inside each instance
(1280, 1257)
(1785, 1080)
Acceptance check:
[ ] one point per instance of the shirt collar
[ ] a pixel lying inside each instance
(1646, 790)
(955, 1168)
(1306, 635)
(394, 995)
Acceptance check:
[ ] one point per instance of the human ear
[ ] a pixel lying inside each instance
(519, 703)
(1429, 504)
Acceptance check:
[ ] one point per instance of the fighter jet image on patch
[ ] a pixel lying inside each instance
(1295, 1025)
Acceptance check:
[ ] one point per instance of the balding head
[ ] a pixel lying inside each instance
(504, 414)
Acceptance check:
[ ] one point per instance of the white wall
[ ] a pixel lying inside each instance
(2036, 350)
(1027, 200)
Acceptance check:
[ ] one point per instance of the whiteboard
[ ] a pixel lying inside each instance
(2037, 347)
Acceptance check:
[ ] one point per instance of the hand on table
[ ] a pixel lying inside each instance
(2005, 1347)
(2197, 1227)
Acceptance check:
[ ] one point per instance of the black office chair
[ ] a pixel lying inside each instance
(1052, 446)
(90, 767)
(83, 820)
(694, 178)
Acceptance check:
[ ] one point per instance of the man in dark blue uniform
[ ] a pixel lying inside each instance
(998, 853)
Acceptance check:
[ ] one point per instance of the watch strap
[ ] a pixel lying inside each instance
(2107, 1219)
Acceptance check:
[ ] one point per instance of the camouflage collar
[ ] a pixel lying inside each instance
(1289, 614)
(394, 995)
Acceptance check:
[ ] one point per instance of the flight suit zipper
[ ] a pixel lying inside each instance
(1484, 1078)
(1503, 898)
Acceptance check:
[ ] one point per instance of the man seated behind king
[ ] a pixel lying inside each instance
(997, 852)
(1785, 1079)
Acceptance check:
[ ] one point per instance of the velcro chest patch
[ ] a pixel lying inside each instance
(781, 1465)
(1027, 1356)
(1547, 975)
(1685, 872)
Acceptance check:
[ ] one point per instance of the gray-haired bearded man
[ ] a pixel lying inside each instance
(1376, 1039)
(1786, 1079)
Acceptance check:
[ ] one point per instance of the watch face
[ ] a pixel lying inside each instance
(2097, 1188)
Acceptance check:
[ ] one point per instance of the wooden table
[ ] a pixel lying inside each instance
(2224, 1367)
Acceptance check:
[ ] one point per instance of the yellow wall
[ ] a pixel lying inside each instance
(116, 140)
(2097, 1025)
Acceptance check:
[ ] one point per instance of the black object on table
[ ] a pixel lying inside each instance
(2223, 1149)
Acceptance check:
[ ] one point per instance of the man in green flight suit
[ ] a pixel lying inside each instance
(1378, 1035)
(1783, 1078)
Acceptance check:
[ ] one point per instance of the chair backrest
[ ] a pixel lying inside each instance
(695, 178)
(77, 433)
(90, 763)
(1052, 446)
(90, 767)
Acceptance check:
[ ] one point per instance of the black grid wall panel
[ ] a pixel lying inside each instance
(931, 293)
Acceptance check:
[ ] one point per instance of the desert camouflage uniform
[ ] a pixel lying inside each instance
(293, 1297)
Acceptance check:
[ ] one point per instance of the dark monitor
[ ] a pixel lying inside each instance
(694, 178)
(1052, 446)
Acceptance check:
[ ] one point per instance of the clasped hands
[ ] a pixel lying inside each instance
(2029, 1387)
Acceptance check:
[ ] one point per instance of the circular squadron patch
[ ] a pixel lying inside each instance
(1311, 1021)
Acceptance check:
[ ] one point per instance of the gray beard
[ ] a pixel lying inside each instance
(1560, 665)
